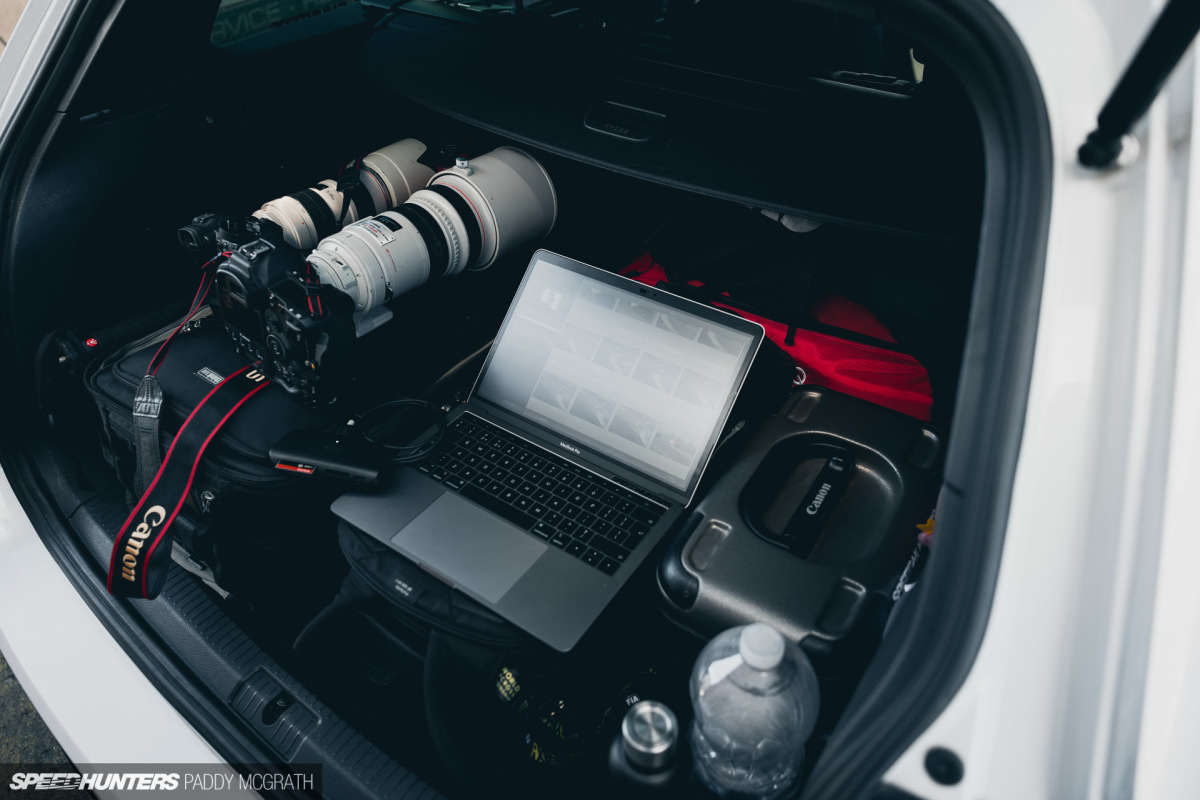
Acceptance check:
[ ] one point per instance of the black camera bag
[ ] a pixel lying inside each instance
(246, 526)
(393, 628)
(500, 710)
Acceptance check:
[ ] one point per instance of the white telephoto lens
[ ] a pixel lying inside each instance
(307, 215)
(386, 176)
(510, 196)
(372, 261)
(468, 217)
(391, 174)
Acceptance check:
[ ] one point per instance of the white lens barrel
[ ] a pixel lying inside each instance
(302, 226)
(388, 176)
(511, 196)
(393, 173)
(468, 217)
(372, 261)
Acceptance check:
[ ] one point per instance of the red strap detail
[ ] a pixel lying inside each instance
(192, 477)
(112, 563)
(170, 486)
(206, 282)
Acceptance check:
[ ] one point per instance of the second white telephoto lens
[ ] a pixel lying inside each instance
(386, 178)
(469, 216)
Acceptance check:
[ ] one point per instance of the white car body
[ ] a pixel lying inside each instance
(1083, 685)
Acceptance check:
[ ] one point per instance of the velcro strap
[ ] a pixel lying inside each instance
(142, 551)
(147, 406)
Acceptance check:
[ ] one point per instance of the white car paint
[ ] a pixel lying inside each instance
(28, 48)
(1058, 704)
(92, 696)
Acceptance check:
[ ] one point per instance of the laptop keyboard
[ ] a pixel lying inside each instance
(577, 511)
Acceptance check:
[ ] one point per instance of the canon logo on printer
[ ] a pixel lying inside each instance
(820, 498)
(566, 446)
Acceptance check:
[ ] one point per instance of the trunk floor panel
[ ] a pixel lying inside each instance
(234, 668)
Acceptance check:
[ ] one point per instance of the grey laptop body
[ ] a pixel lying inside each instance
(584, 438)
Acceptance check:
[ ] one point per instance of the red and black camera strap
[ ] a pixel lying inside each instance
(148, 400)
(142, 551)
(208, 275)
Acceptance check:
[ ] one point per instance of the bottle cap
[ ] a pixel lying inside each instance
(761, 646)
(649, 734)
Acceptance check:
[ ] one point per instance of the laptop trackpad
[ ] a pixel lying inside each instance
(472, 548)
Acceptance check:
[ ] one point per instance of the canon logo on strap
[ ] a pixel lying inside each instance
(153, 517)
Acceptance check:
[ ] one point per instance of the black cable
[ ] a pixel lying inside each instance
(435, 389)
(405, 453)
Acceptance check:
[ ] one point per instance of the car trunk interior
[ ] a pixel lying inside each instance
(698, 123)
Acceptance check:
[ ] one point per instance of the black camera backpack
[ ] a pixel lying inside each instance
(246, 526)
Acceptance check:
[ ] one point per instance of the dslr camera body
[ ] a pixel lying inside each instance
(280, 318)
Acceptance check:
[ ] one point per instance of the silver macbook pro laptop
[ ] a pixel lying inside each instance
(584, 438)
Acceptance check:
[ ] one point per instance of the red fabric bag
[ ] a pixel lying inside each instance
(872, 371)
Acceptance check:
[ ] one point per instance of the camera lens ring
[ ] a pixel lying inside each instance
(431, 233)
(318, 211)
(446, 218)
(388, 201)
(469, 217)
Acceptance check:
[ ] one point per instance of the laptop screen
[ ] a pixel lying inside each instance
(639, 375)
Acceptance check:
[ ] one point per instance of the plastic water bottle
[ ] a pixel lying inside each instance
(756, 699)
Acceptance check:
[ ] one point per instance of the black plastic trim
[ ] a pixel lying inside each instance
(923, 662)
(731, 160)
(674, 580)
(33, 127)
